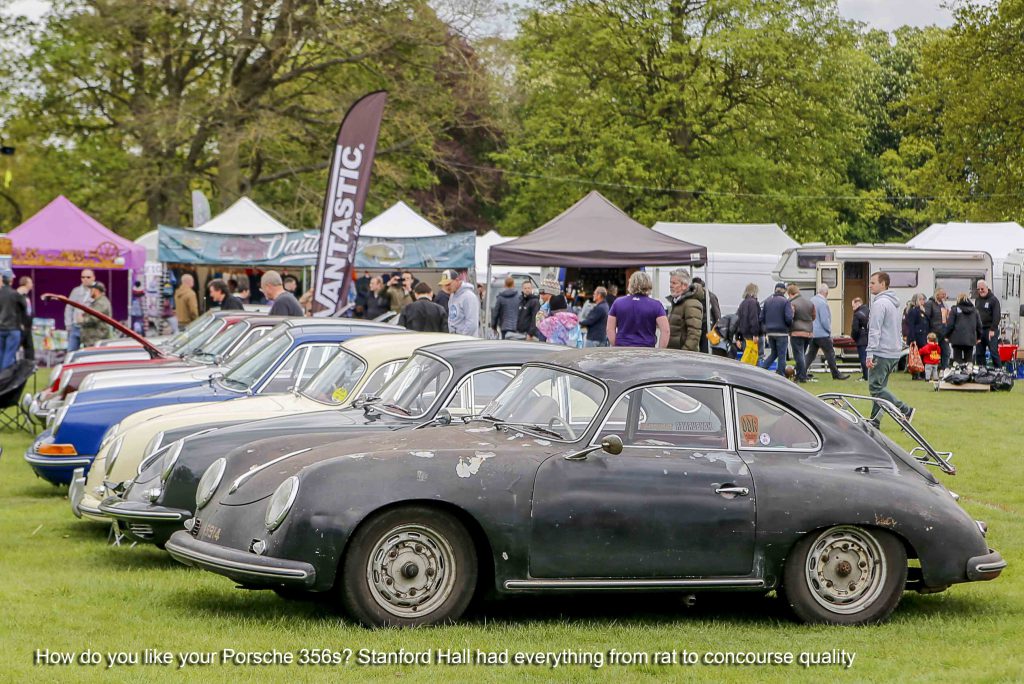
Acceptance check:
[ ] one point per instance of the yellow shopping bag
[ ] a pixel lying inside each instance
(750, 352)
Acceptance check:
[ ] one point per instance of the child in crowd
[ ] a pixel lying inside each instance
(931, 354)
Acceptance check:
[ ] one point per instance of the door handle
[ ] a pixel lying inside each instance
(727, 490)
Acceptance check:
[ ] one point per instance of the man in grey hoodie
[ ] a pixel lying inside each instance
(463, 305)
(885, 344)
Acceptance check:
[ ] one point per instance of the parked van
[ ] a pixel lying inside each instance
(846, 270)
(1010, 299)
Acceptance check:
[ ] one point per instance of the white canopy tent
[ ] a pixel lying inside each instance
(244, 217)
(483, 245)
(738, 254)
(151, 242)
(998, 239)
(399, 221)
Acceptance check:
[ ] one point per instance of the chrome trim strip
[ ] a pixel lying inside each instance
(248, 568)
(630, 583)
(989, 567)
(115, 512)
(241, 479)
(52, 460)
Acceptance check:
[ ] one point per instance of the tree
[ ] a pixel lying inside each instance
(720, 110)
(143, 101)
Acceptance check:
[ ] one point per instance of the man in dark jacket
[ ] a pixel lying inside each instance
(12, 318)
(989, 311)
(423, 315)
(859, 333)
(685, 311)
(938, 316)
(710, 298)
(221, 295)
(529, 305)
(596, 321)
(505, 317)
(377, 300)
(801, 332)
(777, 319)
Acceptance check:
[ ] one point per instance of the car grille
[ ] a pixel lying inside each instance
(195, 528)
(141, 530)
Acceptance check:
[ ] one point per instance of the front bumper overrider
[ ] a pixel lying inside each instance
(985, 567)
(242, 566)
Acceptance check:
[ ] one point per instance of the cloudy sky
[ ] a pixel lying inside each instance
(883, 14)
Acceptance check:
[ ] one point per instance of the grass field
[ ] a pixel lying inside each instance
(63, 589)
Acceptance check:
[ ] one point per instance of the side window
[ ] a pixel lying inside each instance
(670, 416)
(286, 373)
(380, 377)
(315, 360)
(487, 385)
(764, 425)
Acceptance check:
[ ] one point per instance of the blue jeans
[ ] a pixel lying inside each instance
(10, 340)
(799, 355)
(779, 345)
(595, 343)
(862, 354)
(74, 338)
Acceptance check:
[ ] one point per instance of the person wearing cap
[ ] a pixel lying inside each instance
(93, 329)
(463, 304)
(777, 320)
(12, 317)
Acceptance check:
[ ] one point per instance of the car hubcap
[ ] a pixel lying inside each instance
(411, 571)
(845, 570)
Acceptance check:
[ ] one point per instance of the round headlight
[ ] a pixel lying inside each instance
(281, 502)
(109, 435)
(170, 458)
(153, 445)
(112, 454)
(209, 482)
(88, 383)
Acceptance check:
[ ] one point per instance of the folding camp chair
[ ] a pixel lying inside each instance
(14, 416)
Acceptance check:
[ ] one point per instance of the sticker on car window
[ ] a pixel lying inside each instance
(765, 439)
(749, 424)
(340, 394)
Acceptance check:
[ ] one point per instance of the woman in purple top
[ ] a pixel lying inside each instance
(634, 319)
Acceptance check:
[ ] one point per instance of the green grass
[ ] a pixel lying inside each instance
(63, 588)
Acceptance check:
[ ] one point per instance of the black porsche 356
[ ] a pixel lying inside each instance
(603, 469)
(455, 379)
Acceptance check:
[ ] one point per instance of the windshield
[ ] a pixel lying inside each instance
(174, 344)
(415, 387)
(560, 402)
(248, 367)
(334, 382)
(202, 338)
(212, 348)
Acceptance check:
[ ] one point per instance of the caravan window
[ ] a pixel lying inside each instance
(902, 278)
(808, 260)
(955, 283)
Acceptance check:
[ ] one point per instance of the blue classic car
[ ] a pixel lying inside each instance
(280, 361)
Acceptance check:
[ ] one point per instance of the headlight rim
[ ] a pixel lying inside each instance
(272, 523)
(203, 498)
(165, 472)
(112, 453)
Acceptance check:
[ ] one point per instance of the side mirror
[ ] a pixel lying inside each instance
(215, 377)
(611, 444)
(443, 417)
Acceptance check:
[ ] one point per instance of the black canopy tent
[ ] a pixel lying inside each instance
(594, 233)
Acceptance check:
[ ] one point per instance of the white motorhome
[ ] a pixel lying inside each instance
(847, 268)
(738, 254)
(1010, 299)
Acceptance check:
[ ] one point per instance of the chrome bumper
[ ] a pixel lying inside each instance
(76, 491)
(241, 566)
(987, 567)
(135, 510)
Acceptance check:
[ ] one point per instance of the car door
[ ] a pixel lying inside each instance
(677, 502)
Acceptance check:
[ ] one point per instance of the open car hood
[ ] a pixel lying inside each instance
(154, 351)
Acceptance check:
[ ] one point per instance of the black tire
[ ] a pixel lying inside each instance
(430, 579)
(876, 580)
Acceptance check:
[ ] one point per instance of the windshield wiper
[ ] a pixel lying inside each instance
(542, 429)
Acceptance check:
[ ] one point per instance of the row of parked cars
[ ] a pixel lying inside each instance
(398, 476)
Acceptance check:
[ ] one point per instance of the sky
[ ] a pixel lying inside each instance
(881, 14)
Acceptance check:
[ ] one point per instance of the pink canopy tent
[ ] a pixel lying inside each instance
(55, 244)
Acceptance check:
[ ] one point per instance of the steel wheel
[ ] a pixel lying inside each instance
(845, 575)
(411, 571)
(409, 567)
